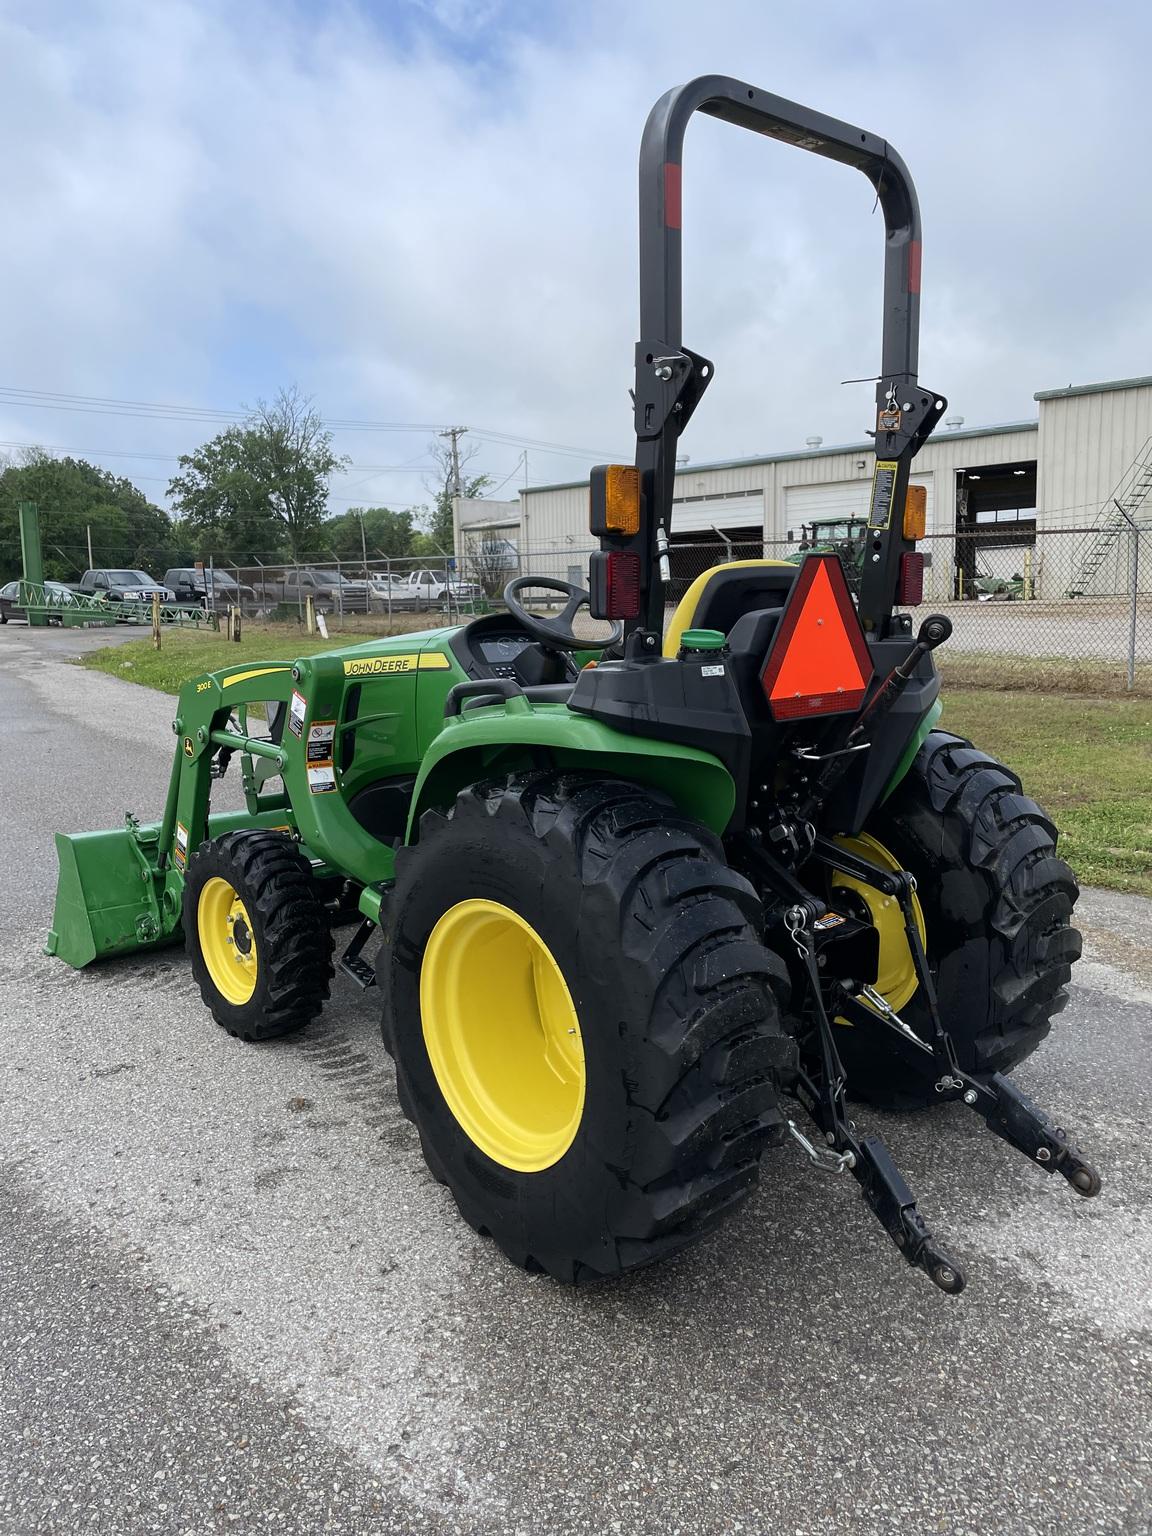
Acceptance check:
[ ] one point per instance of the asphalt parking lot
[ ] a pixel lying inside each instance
(231, 1297)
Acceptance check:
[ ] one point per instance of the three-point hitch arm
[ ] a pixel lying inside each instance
(670, 378)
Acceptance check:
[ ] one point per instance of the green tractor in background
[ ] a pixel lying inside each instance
(846, 537)
(651, 897)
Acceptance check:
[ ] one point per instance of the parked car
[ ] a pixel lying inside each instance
(429, 589)
(330, 591)
(11, 607)
(211, 588)
(123, 586)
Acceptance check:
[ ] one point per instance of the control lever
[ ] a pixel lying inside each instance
(935, 629)
(933, 632)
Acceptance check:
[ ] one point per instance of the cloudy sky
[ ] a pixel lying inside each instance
(422, 212)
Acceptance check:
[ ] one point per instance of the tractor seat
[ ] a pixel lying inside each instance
(718, 598)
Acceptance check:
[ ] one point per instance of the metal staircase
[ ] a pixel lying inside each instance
(1119, 512)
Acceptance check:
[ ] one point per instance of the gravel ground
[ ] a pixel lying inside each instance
(232, 1298)
(1084, 629)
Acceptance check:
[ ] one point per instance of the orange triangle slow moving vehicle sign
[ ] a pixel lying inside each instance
(819, 663)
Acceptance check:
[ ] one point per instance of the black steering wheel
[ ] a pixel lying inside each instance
(557, 633)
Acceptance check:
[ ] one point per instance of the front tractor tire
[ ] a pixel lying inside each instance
(257, 934)
(997, 907)
(583, 1021)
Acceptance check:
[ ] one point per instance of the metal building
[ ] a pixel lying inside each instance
(1049, 501)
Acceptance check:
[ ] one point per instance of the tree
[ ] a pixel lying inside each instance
(438, 534)
(222, 501)
(489, 559)
(265, 481)
(385, 532)
(75, 498)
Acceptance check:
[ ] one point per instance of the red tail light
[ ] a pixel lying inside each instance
(614, 579)
(819, 663)
(910, 581)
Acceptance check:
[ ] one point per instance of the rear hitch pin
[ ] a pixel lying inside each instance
(821, 1157)
(884, 1008)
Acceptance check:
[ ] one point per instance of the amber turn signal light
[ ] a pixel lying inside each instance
(916, 512)
(614, 500)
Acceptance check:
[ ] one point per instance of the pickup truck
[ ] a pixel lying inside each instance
(191, 585)
(330, 591)
(123, 586)
(424, 589)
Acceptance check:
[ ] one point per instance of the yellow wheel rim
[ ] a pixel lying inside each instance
(896, 977)
(502, 1035)
(227, 941)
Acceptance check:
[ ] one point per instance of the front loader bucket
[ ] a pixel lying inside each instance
(108, 898)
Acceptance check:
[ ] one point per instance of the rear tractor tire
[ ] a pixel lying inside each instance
(257, 934)
(583, 1021)
(997, 906)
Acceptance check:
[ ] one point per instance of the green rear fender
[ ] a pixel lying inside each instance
(923, 731)
(488, 742)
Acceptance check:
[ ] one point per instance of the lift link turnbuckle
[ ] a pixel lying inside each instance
(1006, 1111)
(867, 1158)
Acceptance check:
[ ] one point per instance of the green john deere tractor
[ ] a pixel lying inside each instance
(652, 893)
(844, 536)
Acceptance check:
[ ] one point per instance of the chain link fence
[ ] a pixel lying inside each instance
(1043, 609)
(349, 595)
(1042, 612)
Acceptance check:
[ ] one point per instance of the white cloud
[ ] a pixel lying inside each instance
(429, 214)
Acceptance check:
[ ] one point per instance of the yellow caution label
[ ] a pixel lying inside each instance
(390, 666)
(883, 488)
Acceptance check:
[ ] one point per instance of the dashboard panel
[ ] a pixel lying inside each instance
(499, 653)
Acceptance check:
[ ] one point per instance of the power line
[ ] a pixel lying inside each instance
(174, 458)
(110, 405)
(506, 478)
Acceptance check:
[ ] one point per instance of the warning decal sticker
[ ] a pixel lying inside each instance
(296, 712)
(883, 485)
(829, 920)
(322, 779)
(321, 736)
(180, 846)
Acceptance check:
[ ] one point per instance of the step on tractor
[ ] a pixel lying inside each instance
(651, 893)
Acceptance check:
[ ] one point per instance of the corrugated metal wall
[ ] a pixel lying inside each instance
(1083, 444)
(1087, 442)
(558, 515)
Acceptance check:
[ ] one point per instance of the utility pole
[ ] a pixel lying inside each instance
(455, 433)
(363, 542)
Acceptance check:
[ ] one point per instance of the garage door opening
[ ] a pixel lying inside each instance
(712, 530)
(995, 530)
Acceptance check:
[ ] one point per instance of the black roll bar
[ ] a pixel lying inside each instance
(661, 153)
(670, 379)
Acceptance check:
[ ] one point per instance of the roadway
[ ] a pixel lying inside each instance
(232, 1298)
